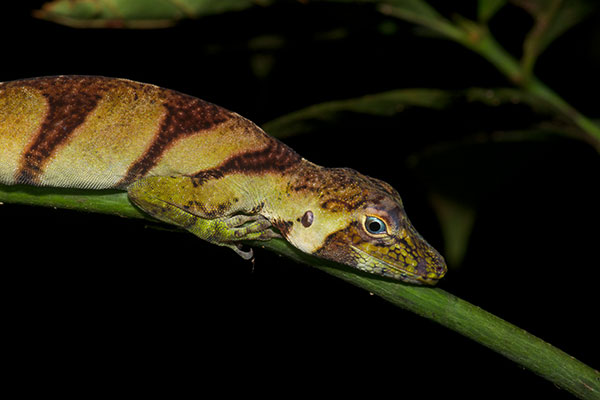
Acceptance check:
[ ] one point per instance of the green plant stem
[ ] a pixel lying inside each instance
(485, 45)
(532, 46)
(432, 303)
(477, 37)
(471, 321)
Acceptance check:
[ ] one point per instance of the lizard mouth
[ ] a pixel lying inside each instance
(420, 271)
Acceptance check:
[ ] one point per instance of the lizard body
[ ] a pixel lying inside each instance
(198, 166)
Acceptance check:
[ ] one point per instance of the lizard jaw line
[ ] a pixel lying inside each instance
(396, 273)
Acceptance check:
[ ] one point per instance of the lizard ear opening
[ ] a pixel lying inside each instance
(307, 219)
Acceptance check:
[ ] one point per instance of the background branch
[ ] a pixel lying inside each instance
(477, 37)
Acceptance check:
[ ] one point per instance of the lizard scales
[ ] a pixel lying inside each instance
(196, 165)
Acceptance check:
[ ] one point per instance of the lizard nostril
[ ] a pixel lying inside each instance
(421, 266)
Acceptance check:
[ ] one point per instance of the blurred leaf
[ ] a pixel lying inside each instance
(262, 64)
(552, 19)
(568, 15)
(203, 7)
(486, 9)
(418, 8)
(420, 13)
(134, 13)
(388, 104)
(415, 11)
(462, 177)
(456, 221)
(380, 104)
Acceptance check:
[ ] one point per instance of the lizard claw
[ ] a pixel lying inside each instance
(245, 254)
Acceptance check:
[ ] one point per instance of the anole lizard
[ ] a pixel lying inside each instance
(193, 164)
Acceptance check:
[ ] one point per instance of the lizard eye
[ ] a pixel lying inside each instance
(375, 226)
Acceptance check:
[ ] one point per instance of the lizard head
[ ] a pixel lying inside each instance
(360, 221)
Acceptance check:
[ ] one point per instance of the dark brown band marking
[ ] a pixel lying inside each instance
(338, 205)
(70, 100)
(335, 247)
(283, 227)
(185, 115)
(275, 157)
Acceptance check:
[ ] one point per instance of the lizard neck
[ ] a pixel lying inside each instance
(307, 201)
(286, 196)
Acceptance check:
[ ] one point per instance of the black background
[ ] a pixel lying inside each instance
(99, 304)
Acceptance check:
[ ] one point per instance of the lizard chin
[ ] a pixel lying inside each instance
(427, 272)
(405, 257)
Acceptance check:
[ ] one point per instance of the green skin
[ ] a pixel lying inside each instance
(208, 170)
(337, 232)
